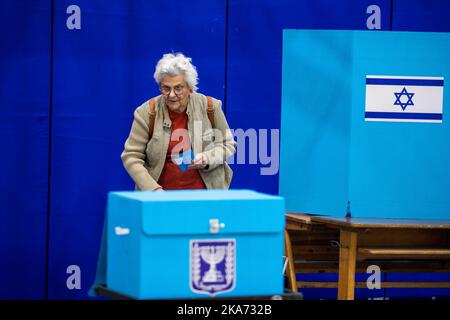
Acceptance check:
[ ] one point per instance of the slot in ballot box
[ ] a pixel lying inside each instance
(195, 244)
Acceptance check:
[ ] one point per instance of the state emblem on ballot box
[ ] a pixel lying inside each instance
(212, 266)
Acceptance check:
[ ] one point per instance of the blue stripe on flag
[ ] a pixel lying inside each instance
(400, 115)
(405, 82)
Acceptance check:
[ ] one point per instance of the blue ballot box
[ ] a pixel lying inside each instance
(197, 243)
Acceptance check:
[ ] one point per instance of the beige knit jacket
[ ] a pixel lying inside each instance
(144, 159)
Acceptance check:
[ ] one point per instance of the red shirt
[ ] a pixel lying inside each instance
(172, 178)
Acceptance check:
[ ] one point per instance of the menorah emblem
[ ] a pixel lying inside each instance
(212, 265)
(212, 255)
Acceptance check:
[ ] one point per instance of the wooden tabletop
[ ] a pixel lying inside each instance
(370, 222)
(300, 217)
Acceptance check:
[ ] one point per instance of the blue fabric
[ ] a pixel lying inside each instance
(100, 274)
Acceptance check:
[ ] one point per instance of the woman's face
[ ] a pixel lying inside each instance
(176, 92)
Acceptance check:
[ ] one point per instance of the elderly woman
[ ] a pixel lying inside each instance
(175, 124)
(163, 128)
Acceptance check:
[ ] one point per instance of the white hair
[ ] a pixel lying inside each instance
(176, 64)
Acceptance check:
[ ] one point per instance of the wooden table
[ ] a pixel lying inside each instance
(347, 245)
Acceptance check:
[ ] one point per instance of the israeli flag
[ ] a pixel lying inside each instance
(404, 99)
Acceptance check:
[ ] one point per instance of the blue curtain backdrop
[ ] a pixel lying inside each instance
(25, 28)
(102, 73)
(68, 95)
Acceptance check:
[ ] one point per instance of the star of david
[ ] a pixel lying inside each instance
(398, 101)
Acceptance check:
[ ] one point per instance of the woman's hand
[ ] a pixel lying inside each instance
(200, 162)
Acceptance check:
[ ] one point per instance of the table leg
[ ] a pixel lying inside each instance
(347, 264)
(290, 265)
